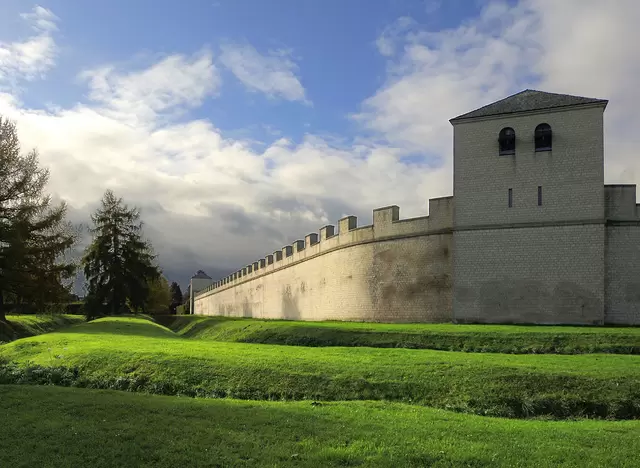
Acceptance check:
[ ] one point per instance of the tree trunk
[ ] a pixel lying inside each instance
(3, 317)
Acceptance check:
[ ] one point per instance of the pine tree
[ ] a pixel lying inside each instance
(176, 296)
(159, 300)
(118, 264)
(34, 234)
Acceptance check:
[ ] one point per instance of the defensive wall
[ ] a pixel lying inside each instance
(400, 270)
(622, 256)
(534, 236)
(394, 270)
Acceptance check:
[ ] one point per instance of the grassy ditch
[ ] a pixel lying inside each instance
(49, 426)
(22, 326)
(137, 355)
(515, 339)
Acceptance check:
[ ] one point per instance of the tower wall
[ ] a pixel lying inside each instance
(529, 263)
(622, 256)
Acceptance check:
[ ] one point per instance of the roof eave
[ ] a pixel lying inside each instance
(462, 118)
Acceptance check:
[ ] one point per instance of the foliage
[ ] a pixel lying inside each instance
(118, 264)
(159, 298)
(514, 339)
(139, 355)
(176, 296)
(35, 236)
(186, 302)
(74, 308)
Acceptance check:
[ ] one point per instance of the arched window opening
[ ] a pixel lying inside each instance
(507, 141)
(543, 137)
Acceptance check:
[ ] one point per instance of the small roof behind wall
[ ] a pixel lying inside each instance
(200, 275)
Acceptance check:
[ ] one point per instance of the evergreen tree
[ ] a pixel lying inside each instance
(118, 264)
(34, 234)
(186, 300)
(176, 296)
(159, 299)
(187, 294)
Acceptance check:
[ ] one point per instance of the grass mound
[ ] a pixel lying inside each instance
(48, 426)
(148, 357)
(22, 326)
(446, 337)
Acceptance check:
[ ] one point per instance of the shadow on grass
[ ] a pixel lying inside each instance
(293, 333)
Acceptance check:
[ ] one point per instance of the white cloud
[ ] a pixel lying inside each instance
(175, 83)
(210, 201)
(41, 19)
(393, 34)
(32, 58)
(273, 74)
(575, 47)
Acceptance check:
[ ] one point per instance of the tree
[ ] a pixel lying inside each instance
(35, 235)
(186, 300)
(159, 299)
(176, 296)
(118, 264)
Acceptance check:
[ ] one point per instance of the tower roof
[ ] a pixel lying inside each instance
(200, 275)
(528, 100)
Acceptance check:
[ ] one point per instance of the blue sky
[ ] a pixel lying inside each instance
(240, 126)
(333, 43)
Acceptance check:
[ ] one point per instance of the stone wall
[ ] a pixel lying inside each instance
(571, 174)
(544, 274)
(391, 271)
(622, 253)
(530, 262)
(574, 258)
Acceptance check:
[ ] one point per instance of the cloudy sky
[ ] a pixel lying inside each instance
(238, 126)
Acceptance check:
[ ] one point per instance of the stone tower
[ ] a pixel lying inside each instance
(529, 222)
(198, 282)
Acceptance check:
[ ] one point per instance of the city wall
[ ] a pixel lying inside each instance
(622, 256)
(390, 271)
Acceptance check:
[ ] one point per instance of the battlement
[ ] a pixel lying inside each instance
(620, 202)
(386, 224)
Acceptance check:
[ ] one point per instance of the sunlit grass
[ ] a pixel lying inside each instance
(449, 337)
(21, 326)
(135, 354)
(49, 426)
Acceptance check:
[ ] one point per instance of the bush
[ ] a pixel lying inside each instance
(71, 308)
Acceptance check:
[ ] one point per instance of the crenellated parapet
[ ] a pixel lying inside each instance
(386, 225)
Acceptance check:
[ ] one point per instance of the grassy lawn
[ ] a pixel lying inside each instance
(447, 337)
(49, 426)
(21, 326)
(136, 354)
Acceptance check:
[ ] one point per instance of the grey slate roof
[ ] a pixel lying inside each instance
(200, 275)
(528, 100)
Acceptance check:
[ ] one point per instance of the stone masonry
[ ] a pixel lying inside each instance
(534, 236)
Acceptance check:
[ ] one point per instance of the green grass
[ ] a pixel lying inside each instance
(447, 337)
(49, 426)
(22, 326)
(136, 354)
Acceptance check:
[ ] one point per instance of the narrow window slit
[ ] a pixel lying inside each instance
(539, 195)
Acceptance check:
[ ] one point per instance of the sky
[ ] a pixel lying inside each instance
(239, 126)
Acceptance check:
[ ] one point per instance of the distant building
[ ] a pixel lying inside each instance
(198, 282)
(531, 235)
